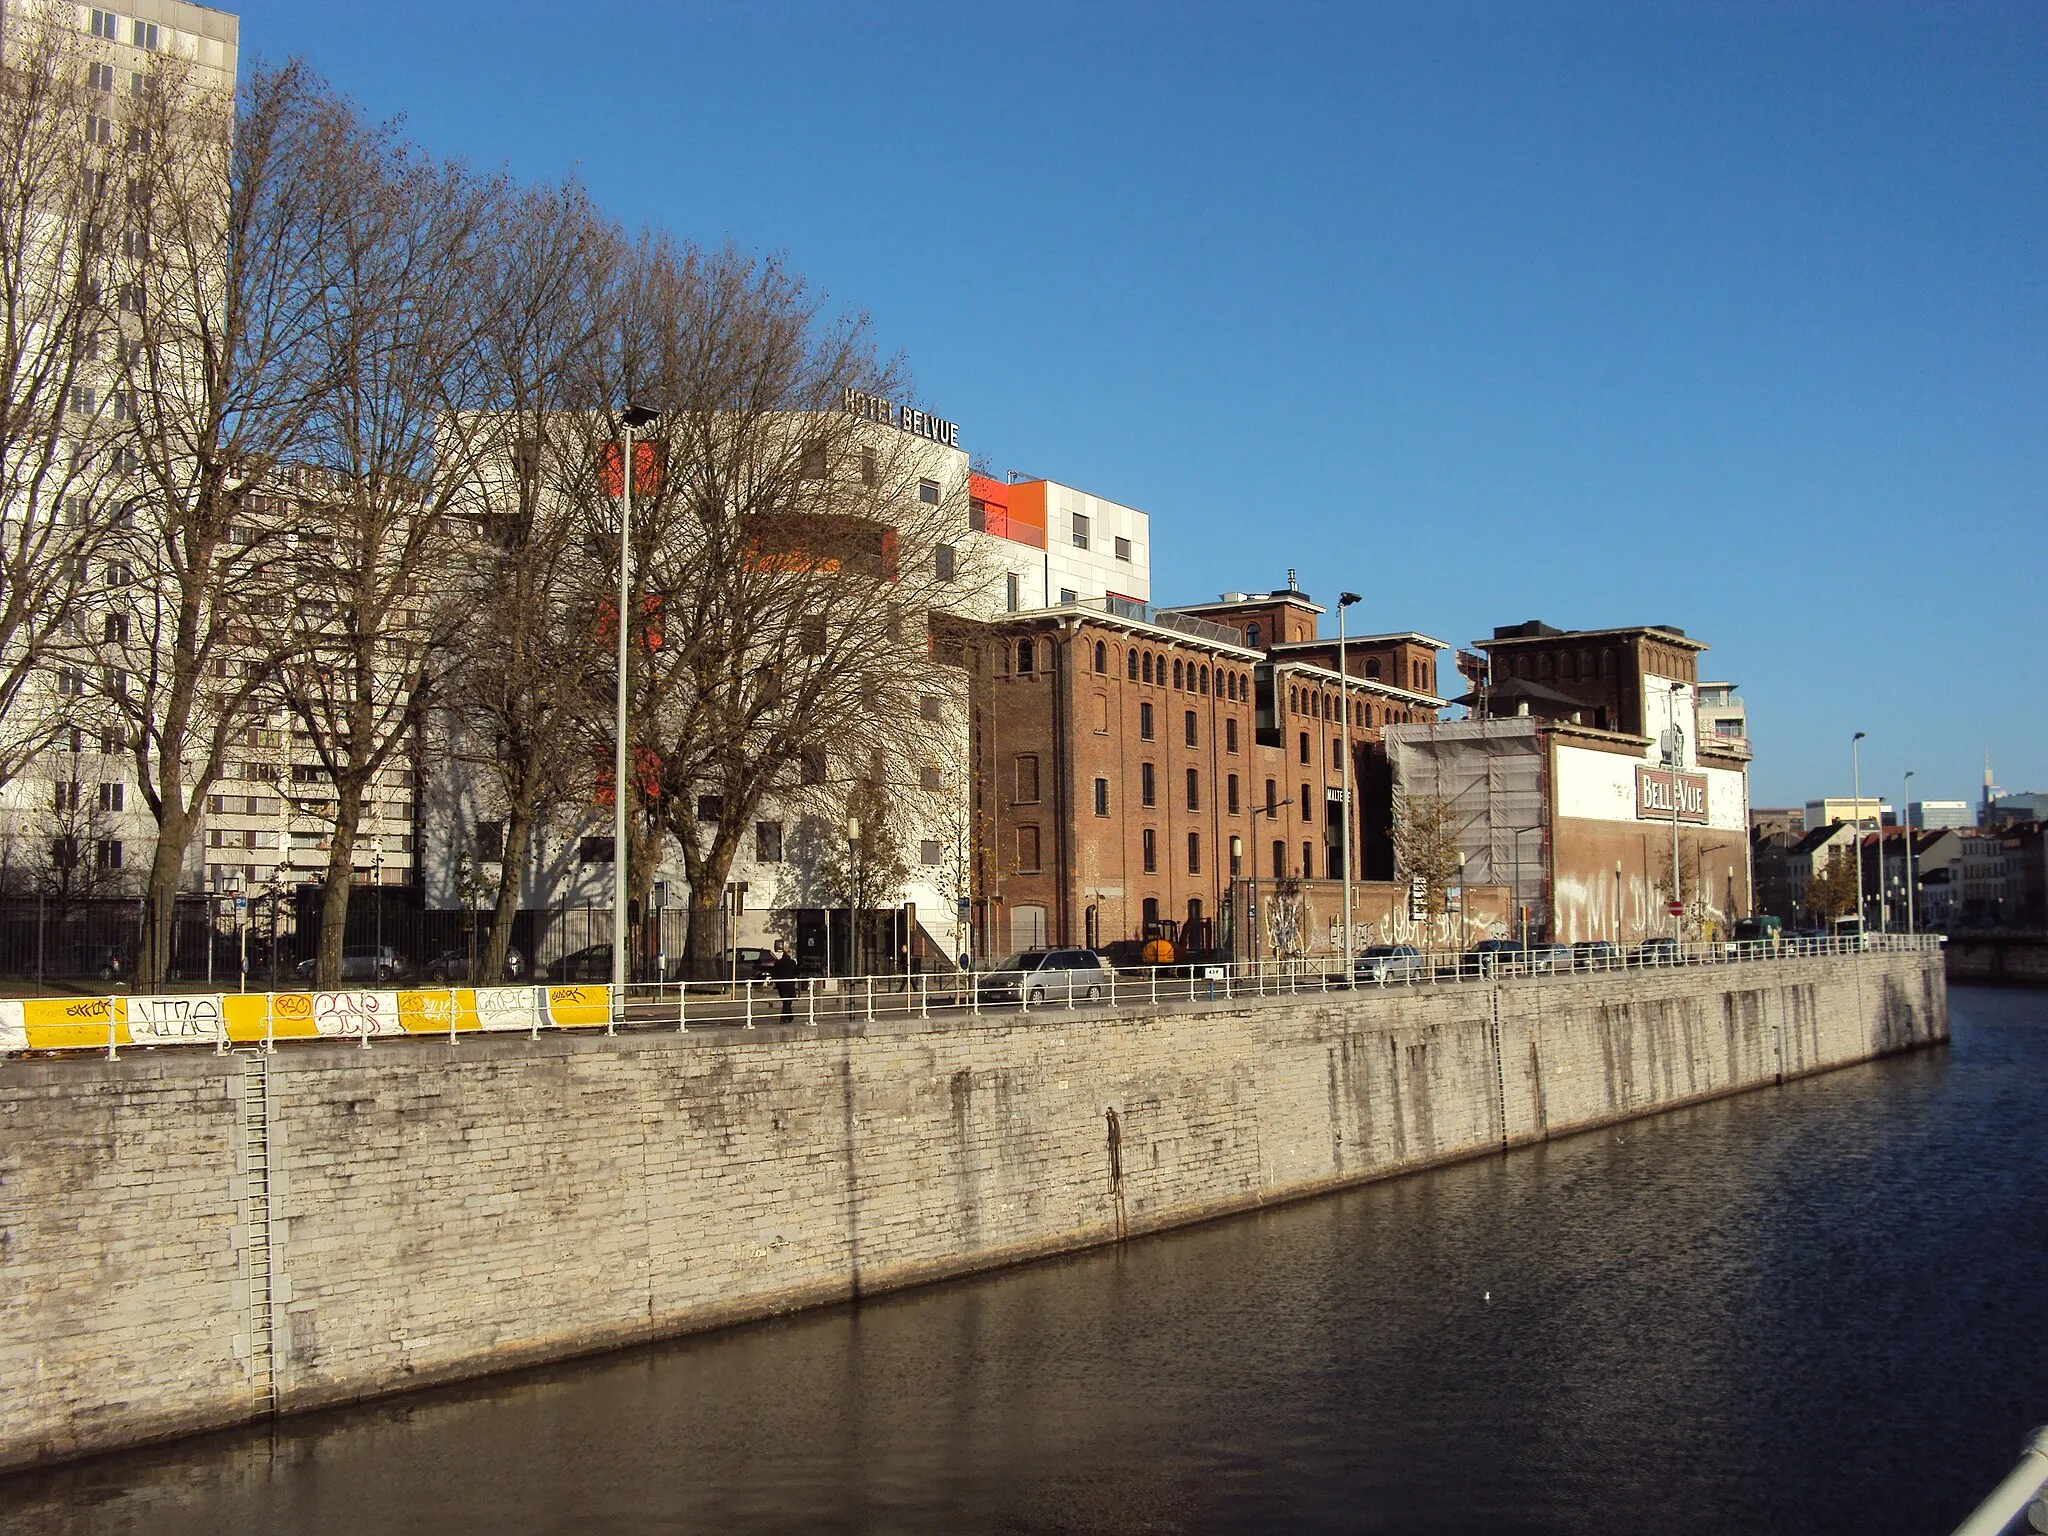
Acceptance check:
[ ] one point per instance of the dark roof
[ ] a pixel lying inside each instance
(1817, 837)
(1521, 688)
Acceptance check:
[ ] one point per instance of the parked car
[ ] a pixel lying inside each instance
(1382, 963)
(362, 962)
(746, 963)
(592, 963)
(1549, 957)
(1659, 951)
(1037, 976)
(1506, 954)
(1765, 930)
(88, 962)
(1596, 955)
(454, 964)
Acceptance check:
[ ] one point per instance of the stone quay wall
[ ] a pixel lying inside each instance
(1999, 959)
(191, 1240)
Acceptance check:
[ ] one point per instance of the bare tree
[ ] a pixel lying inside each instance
(226, 255)
(1831, 889)
(59, 388)
(527, 671)
(788, 564)
(395, 453)
(1426, 845)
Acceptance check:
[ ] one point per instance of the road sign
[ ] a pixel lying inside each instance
(1674, 907)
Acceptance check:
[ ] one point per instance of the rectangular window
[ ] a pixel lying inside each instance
(100, 77)
(1304, 746)
(811, 766)
(1013, 597)
(1279, 859)
(943, 563)
(1027, 779)
(1068, 596)
(868, 471)
(110, 797)
(490, 841)
(107, 25)
(928, 777)
(108, 853)
(711, 808)
(1194, 853)
(810, 636)
(812, 465)
(1230, 794)
(928, 852)
(81, 399)
(1194, 790)
(67, 795)
(1230, 733)
(1151, 852)
(1148, 786)
(216, 805)
(1144, 722)
(145, 35)
(1123, 549)
(930, 706)
(1102, 797)
(767, 842)
(595, 850)
(115, 629)
(1307, 811)
(928, 492)
(1188, 728)
(1027, 851)
(1080, 531)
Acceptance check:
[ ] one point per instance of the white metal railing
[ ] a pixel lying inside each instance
(2020, 1492)
(264, 1020)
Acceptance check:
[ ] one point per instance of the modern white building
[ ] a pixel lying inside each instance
(1940, 815)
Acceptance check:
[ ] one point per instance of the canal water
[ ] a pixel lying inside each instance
(1815, 1308)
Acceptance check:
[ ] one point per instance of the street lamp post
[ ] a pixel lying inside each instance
(1856, 794)
(377, 898)
(1272, 810)
(1906, 804)
(633, 416)
(1521, 907)
(1345, 600)
(853, 883)
(1675, 756)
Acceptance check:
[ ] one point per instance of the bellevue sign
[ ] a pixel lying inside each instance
(1657, 788)
(917, 423)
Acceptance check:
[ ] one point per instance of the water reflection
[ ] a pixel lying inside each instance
(1814, 1308)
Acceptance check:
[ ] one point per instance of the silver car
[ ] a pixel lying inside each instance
(1038, 976)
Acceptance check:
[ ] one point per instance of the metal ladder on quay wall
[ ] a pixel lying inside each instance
(257, 1250)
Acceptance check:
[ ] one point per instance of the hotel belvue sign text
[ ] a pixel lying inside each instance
(1655, 788)
(917, 423)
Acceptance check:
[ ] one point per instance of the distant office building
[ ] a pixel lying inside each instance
(1786, 821)
(1939, 815)
(2012, 810)
(1870, 811)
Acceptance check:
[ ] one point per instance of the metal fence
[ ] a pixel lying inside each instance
(1075, 980)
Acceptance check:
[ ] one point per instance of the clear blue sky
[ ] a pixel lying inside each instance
(1722, 315)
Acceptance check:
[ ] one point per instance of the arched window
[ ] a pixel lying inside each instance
(1205, 682)
(1607, 662)
(1372, 667)
(1131, 664)
(1304, 746)
(1293, 702)
(1308, 861)
(1251, 636)
(1368, 714)
(1101, 657)
(1024, 656)
(1176, 671)
(1148, 666)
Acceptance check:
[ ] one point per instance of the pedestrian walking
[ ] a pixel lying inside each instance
(784, 971)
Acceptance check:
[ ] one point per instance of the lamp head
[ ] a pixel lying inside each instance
(1857, 737)
(637, 416)
(1346, 599)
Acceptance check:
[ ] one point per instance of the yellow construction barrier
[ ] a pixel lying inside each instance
(218, 1019)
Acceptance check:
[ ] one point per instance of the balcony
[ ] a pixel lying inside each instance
(1714, 744)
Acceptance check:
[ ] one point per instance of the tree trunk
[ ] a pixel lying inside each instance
(518, 821)
(166, 866)
(341, 864)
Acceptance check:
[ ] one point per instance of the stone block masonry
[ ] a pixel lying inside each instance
(187, 1238)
